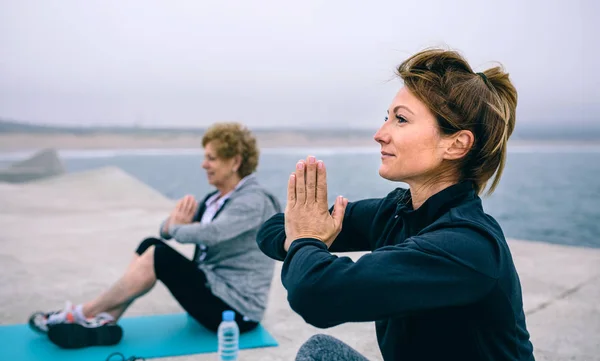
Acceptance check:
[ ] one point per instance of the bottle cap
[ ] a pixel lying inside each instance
(228, 315)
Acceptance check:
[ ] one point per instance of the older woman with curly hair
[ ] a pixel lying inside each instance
(227, 272)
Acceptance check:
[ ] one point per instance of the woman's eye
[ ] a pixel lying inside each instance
(401, 119)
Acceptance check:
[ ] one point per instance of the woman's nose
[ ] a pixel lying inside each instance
(381, 136)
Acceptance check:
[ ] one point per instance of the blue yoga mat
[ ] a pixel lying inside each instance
(143, 336)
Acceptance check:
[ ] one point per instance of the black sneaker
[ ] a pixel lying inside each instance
(100, 330)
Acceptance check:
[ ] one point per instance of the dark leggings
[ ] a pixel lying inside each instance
(188, 284)
(327, 348)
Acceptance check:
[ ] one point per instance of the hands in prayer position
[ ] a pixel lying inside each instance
(307, 213)
(184, 211)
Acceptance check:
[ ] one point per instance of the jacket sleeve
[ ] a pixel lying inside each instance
(271, 237)
(238, 216)
(161, 230)
(353, 237)
(393, 281)
(358, 221)
(166, 235)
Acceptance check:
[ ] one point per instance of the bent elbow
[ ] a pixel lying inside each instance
(320, 322)
(305, 301)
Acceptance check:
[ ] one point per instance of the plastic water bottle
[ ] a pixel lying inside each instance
(229, 335)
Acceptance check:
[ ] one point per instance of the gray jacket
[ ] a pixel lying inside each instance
(236, 270)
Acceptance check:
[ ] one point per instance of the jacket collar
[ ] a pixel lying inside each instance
(247, 181)
(436, 205)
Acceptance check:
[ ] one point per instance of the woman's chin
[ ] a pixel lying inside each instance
(385, 173)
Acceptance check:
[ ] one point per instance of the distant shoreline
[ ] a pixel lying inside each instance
(26, 141)
(11, 142)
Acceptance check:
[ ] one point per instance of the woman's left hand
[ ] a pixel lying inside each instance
(307, 213)
(184, 210)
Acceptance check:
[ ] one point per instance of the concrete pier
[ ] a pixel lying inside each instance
(71, 236)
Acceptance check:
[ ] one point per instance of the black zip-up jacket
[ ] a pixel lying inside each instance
(440, 282)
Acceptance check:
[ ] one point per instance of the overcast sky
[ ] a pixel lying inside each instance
(288, 63)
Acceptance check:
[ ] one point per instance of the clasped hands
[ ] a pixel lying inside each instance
(307, 213)
(184, 211)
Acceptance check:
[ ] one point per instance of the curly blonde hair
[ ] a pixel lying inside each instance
(232, 139)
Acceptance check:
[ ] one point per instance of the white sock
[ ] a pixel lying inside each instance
(78, 312)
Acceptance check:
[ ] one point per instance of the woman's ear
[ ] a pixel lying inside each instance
(237, 162)
(460, 144)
